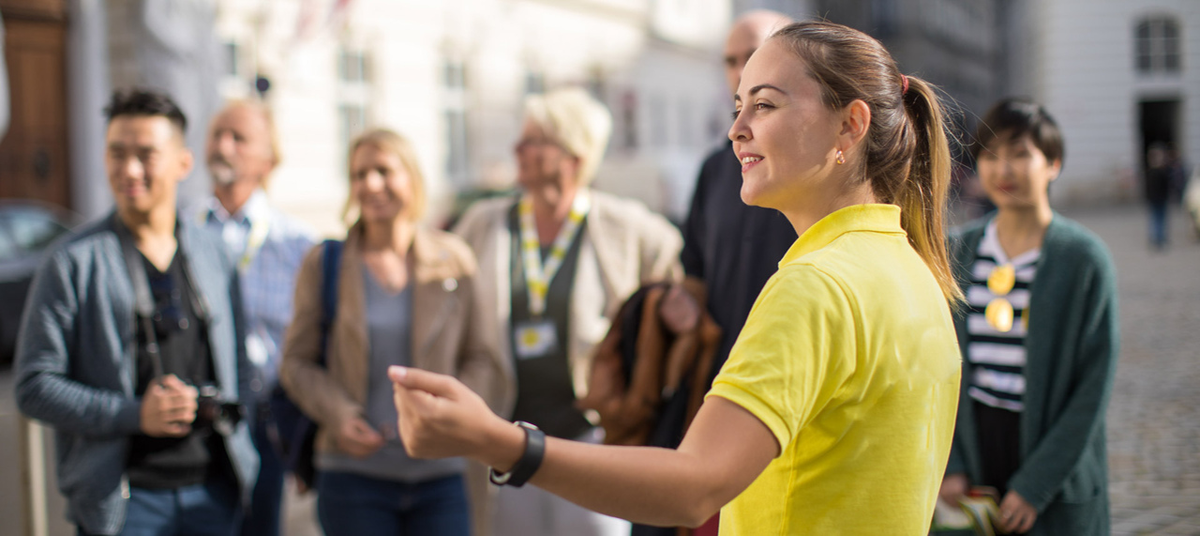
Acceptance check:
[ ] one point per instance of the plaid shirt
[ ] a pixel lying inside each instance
(268, 247)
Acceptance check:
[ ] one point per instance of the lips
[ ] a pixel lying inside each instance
(749, 160)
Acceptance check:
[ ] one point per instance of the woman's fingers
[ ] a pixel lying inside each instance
(423, 380)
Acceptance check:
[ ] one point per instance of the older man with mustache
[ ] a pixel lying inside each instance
(268, 247)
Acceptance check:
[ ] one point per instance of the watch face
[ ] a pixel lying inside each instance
(526, 425)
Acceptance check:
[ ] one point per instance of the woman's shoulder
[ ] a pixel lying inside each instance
(484, 212)
(1070, 238)
(437, 247)
(969, 231)
(615, 210)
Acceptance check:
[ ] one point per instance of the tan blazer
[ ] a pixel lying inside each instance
(624, 246)
(450, 335)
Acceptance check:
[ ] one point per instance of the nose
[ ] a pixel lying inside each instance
(130, 168)
(739, 130)
(373, 181)
(223, 143)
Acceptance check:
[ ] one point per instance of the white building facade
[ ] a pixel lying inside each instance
(451, 76)
(1118, 76)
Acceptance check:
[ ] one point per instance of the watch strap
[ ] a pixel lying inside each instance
(530, 461)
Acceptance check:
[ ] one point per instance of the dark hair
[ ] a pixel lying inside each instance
(1012, 118)
(145, 103)
(906, 154)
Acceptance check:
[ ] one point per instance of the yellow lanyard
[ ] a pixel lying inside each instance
(537, 276)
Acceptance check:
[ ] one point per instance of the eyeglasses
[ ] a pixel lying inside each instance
(535, 142)
(999, 311)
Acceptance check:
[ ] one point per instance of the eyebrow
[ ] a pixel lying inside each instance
(758, 88)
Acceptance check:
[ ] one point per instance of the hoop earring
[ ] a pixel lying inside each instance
(841, 159)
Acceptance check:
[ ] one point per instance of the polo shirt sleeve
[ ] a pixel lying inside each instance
(794, 354)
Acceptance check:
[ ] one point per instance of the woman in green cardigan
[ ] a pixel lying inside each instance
(1039, 339)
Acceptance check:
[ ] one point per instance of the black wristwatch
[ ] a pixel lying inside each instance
(527, 465)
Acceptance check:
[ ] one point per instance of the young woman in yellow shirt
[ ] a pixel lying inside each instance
(835, 411)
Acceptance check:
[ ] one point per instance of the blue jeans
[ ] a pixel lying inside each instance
(209, 509)
(262, 519)
(354, 505)
(1158, 224)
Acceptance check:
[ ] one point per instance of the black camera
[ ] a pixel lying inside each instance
(214, 413)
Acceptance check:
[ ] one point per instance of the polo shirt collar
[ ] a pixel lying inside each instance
(877, 218)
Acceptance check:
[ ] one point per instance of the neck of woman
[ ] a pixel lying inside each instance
(1022, 229)
(396, 235)
(551, 207)
(809, 208)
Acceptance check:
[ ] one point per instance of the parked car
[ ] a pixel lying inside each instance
(27, 228)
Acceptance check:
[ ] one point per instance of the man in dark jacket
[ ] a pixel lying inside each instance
(130, 348)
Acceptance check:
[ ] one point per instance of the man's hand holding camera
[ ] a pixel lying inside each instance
(168, 408)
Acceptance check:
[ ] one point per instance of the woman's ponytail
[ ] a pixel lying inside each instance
(922, 195)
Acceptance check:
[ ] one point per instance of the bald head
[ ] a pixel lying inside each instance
(748, 33)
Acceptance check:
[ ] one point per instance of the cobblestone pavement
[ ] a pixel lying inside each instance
(1154, 415)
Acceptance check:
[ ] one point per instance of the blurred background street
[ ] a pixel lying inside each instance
(451, 75)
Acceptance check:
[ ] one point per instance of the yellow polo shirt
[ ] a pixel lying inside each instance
(849, 356)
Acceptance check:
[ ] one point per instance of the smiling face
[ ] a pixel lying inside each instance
(145, 162)
(783, 134)
(380, 184)
(1016, 174)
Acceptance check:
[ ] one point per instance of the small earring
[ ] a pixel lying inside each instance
(841, 159)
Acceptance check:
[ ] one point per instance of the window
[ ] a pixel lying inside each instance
(629, 117)
(353, 97)
(1157, 41)
(534, 83)
(232, 66)
(352, 67)
(352, 121)
(454, 116)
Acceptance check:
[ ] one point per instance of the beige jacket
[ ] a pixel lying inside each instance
(624, 245)
(450, 335)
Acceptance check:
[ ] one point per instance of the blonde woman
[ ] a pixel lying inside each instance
(556, 262)
(835, 411)
(406, 296)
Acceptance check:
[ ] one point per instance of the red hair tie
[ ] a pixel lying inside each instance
(904, 80)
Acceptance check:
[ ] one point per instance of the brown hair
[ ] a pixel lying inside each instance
(391, 142)
(906, 153)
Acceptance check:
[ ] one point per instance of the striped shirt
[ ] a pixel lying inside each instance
(998, 358)
(268, 247)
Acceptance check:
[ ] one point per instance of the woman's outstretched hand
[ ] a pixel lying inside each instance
(439, 417)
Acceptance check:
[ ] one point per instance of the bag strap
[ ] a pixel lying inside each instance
(331, 262)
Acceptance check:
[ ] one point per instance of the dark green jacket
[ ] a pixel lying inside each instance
(1071, 349)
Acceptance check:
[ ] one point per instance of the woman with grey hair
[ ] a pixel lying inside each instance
(555, 263)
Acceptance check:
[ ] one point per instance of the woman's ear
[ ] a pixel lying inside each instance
(856, 120)
(1055, 169)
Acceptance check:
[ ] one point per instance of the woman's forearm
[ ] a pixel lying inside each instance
(650, 485)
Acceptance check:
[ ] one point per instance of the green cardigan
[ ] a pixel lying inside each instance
(1071, 348)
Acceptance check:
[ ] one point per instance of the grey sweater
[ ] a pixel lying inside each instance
(76, 363)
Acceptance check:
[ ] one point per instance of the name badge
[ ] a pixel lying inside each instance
(535, 338)
(256, 350)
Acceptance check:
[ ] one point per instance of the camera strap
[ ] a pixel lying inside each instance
(143, 306)
(144, 300)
